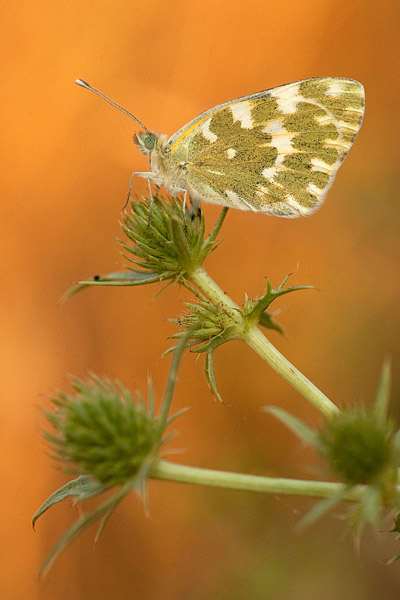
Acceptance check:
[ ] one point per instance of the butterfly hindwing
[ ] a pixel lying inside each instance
(275, 151)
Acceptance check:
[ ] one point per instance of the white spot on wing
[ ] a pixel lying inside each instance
(275, 127)
(287, 98)
(287, 105)
(349, 126)
(207, 133)
(242, 112)
(231, 152)
(294, 204)
(313, 189)
(283, 143)
(269, 172)
(262, 191)
(324, 119)
(286, 91)
(279, 160)
(320, 165)
(335, 88)
(338, 144)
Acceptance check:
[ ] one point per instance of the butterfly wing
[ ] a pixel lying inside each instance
(276, 151)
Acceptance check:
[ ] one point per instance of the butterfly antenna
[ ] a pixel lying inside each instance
(107, 99)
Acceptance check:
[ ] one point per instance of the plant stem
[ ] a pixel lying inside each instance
(260, 344)
(252, 483)
(203, 281)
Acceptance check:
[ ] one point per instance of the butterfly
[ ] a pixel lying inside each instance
(276, 151)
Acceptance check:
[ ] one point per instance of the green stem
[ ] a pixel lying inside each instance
(203, 281)
(260, 344)
(251, 483)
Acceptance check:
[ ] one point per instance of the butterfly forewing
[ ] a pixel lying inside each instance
(275, 151)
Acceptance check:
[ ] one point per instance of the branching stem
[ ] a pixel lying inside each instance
(260, 344)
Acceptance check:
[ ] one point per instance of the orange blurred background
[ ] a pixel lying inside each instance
(66, 162)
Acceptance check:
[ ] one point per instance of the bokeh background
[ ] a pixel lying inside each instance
(66, 160)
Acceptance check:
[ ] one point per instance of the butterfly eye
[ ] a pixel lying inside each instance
(149, 141)
(145, 141)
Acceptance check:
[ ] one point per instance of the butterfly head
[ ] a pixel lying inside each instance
(145, 141)
(150, 141)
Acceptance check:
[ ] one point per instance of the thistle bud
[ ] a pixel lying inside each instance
(102, 431)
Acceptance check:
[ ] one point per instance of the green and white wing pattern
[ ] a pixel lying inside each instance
(276, 151)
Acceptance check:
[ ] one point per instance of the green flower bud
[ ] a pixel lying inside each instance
(167, 241)
(358, 446)
(102, 432)
(204, 320)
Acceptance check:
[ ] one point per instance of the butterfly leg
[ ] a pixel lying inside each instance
(183, 205)
(195, 212)
(151, 201)
(147, 176)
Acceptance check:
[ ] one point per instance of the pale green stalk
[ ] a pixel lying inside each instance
(212, 290)
(252, 483)
(257, 340)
